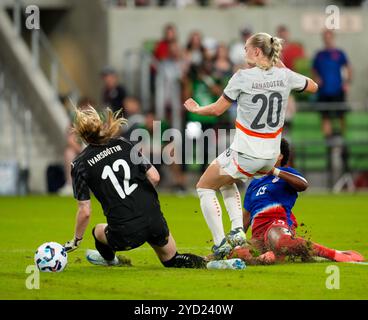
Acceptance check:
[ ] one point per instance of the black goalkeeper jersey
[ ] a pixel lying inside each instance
(116, 174)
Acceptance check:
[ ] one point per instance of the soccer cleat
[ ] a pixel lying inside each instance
(94, 257)
(222, 250)
(234, 264)
(188, 260)
(348, 256)
(236, 237)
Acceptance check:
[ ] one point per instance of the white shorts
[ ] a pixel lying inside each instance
(243, 167)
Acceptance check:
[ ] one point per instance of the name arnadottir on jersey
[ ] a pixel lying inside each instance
(103, 154)
(268, 84)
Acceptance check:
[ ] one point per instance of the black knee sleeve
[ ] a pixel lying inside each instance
(105, 251)
(185, 260)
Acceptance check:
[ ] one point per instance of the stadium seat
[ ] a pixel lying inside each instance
(309, 145)
(356, 138)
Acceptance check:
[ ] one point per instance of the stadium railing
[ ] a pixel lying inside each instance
(163, 78)
(42, 51)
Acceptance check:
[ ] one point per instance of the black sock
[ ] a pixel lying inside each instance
(185, 260)
(105, 251)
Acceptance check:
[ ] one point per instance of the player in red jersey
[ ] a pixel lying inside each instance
(267, 209)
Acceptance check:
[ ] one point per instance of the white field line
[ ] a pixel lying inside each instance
(357, 262)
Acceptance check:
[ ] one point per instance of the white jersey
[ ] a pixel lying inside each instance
(262, 97)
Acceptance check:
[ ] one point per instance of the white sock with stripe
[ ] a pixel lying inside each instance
(232, 200)
(212, 213)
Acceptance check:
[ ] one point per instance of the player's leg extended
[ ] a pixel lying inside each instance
(211, 180)
(280, 240)
(170, 258)
(232, 200)
(336, 255)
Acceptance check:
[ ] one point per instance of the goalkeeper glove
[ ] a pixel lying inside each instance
(73, 244)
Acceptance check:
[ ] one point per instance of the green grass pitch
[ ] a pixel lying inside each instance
(338, 221)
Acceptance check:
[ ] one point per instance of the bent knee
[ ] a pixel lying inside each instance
(201, 184)
(99, 231)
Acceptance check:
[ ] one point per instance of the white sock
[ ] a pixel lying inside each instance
(232, 201)
(212, 213)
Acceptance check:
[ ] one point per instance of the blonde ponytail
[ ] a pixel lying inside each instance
(276, 45)
(95, 128)
(271, 48)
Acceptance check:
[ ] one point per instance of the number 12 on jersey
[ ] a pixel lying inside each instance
(108, 172)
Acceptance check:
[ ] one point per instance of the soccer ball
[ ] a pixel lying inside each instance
(51, 257)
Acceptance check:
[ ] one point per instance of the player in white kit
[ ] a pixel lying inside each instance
(261, 92)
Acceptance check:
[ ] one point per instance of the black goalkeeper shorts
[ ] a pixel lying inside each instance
(133, 234)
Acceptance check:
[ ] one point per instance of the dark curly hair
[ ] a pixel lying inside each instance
(285, 151)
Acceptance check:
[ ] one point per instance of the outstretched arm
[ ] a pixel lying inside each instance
(83, 216)
(311, 87)
(297, 182)
(214, 109)
(82, 220)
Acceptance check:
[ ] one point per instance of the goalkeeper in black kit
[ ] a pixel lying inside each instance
(123, 182)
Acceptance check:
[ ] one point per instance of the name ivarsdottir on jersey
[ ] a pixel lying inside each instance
(268, 84)
(103, 154)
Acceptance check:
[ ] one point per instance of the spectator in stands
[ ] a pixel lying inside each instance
(162, 48)
(236, 52)
(195, 51)
(210, 45)
(222, 66)
(168, 84)
(113, 93)
(194, 56)
(205, 89)
(133, 113)
(177, 177)
(328, 65)
(223, 69)
(291, 51)
(225, 3)
(73, 147)
(166, 52)
(142, 3)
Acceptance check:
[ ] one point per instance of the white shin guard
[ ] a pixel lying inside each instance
(232, 200)
(212, 213)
